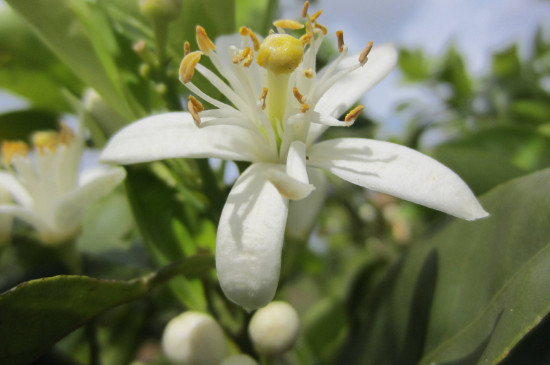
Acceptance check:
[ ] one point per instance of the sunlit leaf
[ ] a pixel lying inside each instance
(79, 34)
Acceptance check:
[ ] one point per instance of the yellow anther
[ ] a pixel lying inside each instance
(288, 24)
(353, 114)
(263, 97)
(304, 9)
(297, 95)
(194, 107)
(322, 27)
(304, 108)
(244, 31)
(308, 72)
(187, 66)
(66, 135)
(196, 104)
(340, 36)
(13, 148)
(363, 56)
(315, 16)
(248, 57)
(306, 38)
(205, 44)
(45, 141)
(186, 48)
(255, 41)
(280, 53)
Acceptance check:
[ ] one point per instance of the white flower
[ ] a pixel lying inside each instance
(276, 112)
(48, 191)
(194, 338)
(274, 328)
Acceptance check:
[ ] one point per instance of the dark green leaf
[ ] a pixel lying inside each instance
(471, 292)
(36, 314)
(19, 125)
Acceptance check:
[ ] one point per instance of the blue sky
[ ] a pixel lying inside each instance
(477, 27)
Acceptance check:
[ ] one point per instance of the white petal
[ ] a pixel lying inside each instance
(250, 239)
(288, 186)
(70, 208)
(26, 215)
(302, 214)
(296, 162)
(17, 191)
(173, 135)
(347, 91)
(398, 171)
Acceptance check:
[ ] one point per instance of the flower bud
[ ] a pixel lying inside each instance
(194, 338)
(160, 10)
(239, 360)
(274, 328)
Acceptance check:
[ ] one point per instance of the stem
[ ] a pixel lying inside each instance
(161, 35)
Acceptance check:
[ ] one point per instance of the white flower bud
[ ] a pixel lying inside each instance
(274, 328)
(239, 360)
(194, 338)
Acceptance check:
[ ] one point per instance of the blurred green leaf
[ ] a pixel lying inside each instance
(19, 125)
(468, 294)
(495, 155)
(507, 63)
(256, 14)
(455, 74)
(29, 69)
(36, 314)
(413, 64)
(155, 208)
(80, 35)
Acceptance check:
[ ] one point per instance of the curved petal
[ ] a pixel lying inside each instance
(296, 162)
(288, 186)
(250, 239)
(173, 135)
(347, 91)
(303, 213)
(70, 208)
(399, 171)
(17, 191)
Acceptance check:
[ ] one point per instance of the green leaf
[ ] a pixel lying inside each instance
(29, 69)
(19, 125)
(495, 155)
(155, 208)
(36, 314)
(80, 35)
(414, 65)
(471, 292)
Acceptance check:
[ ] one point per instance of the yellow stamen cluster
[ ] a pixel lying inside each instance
(354, 114)
(10, 149)
(45, 141)
(195, 107)
(311, 23)
(305, 107)
(66, 135)
(247, 55)
(187, 66)
(340, 37)
(205, 44)
(363, 56)
(247, 32)
(288, 24)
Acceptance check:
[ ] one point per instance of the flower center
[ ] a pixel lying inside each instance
(279, 54)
